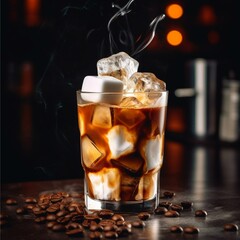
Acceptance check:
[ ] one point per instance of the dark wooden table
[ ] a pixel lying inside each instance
(207, 175)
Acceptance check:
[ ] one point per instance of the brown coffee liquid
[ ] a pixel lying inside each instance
(122, 150)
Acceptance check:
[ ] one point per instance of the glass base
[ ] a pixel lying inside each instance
(122, 206)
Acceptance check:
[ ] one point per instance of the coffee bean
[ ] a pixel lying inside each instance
(63, 220)
(40, 219)
(176, 207)
(186, 204)
(165, 204)
(51, 217)
(95, 235)
(73, 225)
(92, 218)
(123, 231)
(109, 227)
(191, 230)
(168, 194)
(51, 224)
(171, 213)
(53, 208)
(200, 213)
(11, 201)
(230, 227)
(117, 217)
(111, 234)
(176, 229)
(78, 232)
(56, 198)
(160, 210)
(106, 222)
(30, 207)
(144, 216)
(120, 223)
(30, 200)
(105, 213)
(61, 213)
(21, 210)
(58, 228)
(38, 211)
(138, 224)
(95, 227)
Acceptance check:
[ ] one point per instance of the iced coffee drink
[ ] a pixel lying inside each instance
(122, 116)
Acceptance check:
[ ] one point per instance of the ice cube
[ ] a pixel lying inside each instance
(145, 82)
(152, 151)
(121, 141)
(120, 66)
(146, 86)
(130, 102)
(129, 186)
(130, 163)
(130, 117)
(105, 184)
(147, 187)
(90, 153)
(102, 117)
(99, 86)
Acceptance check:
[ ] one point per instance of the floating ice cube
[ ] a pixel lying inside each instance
(147, 187)
(90, 153)
(100, 85)
(130, 117)
(121, 141)
(151, 151)
(130, 163)
(105, 184)
(130, 102)
(120, 66)
(102, 117)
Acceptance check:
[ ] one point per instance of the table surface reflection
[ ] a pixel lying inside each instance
(205, 175)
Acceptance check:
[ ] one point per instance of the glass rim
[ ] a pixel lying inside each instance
(123, 93)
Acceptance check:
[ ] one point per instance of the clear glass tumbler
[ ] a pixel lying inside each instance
(122, 148)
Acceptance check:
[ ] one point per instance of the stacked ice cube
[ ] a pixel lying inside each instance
(119, 74)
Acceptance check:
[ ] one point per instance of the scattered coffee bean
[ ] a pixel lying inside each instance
(21, 210)
(187, 204)
(230, 227)
(165, 204)
(191, 230)
(11, 201)
(58, 227)
(40, 219)
(160, 210)
(51, 217)
(77, 232)
(95, 227)
(171, 213)
(110, 227)
(176, 207)
(51, 224)
(53, 208)
(73, 225)
(200, 213)
(117, 217)
(106, 222)
(95, 235)
(123, 231)
(138, 224)
(105, 213)
(144, 216)
(168, 194)
(176, 229)
(111, 234)
(30, 200)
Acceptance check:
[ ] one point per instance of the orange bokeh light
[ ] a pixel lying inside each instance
(174, 38)
(174, 11)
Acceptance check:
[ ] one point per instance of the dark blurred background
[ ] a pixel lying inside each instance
(49, 46)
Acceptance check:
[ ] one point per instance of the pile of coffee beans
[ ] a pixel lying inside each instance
(65, 212)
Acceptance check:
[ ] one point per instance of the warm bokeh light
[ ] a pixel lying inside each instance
(174, 11)
(174, 38)
(32, 12)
